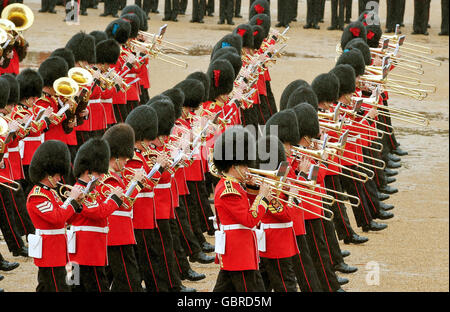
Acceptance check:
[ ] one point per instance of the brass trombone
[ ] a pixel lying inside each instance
(11, 184)
(163, 43)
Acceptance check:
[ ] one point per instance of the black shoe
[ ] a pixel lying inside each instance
(321, 20)
(342, 280)
(345, 268)
(386, 207)
(340, 290)
(8, 266)
(393, 157)
(374, 226)
(238, 16)
(345, 253)
(383, 215)
(393, 165)
(389, 30)
(294, 19)
(207, 247)
(201, 257)
(210, 14)
(316, 27)
(390, 180)
(42, 11)
(104, 14)
(390, 172)
(21, 252)
(388, 190)
(1, 277)
(193, 276)
(398, 151)
(382, 196)
(332, 28)
(221, 22)
(230, 23)
(347, 21)
(202, 22)
(115, 15)
(174, 19)
(443, 33)
(187, 289)
(155, 11)
(165, 19)
(279, 25)
(307, 26)
(52, 11)
(355, 239)
(95, 6)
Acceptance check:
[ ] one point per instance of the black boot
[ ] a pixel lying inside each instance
(355, 239)
(345, 268)
(393, 157)
(374, 226)
(8, 266)
(388, 189)
(201, 257)
(193, 276)
(390, 172)
(385, 206)
(383, 215)
(345, 253)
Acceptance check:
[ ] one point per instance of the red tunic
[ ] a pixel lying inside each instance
(35, 138)
(297, 214)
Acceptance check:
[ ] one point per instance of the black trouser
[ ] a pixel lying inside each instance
(322, 9)
(237, 7)
(48, 5)
(8, 222)
(362, 5)
(271, 98)
(154, 5)
(198, 10)
(186, 236)
(120, 112)
(444, 10)
(124, 268)
(334, 250)
(285, 11)
(23, 224)
(198, 195)
(355, 188)
(249, 116)
(182, 264)
(171, 9)
(348, 10)
(421, 15)
(226, 10)
(144, 97)
(122, 4)
(150, 259)
(27, 185)
(145, 5)
(394, 11)
(183, 6)
(111, 7)
(337, 13)
(341, 220)
(192, 208)
(304, 269)
(170, 267)
(92, 279)
(210, 6)
(239, 281)
(52, 279)
(313, 12)
(278, 275)
(320, 256)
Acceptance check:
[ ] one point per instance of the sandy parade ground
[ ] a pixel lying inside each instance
(412, 254)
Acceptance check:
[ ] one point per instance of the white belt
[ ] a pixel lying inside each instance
(87, 228)
(110, 100)
(123, 213)
(94, 101)
(130, 75)
(38, 138)
(265, 226)
(145, 195)
(163, 186)
(233, 227)
(14, 149)
(5, 155)
(50, 232)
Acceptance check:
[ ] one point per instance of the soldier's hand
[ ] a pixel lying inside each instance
(117, 191)
(163, 160)
(76, 192)
(48, 112)
(265, 191)
(139, 175)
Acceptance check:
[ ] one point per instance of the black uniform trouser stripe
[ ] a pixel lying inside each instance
(125, 269)
(340, 210)
(10, 225)
(149, 261)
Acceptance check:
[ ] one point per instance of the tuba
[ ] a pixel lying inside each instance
(19, 14)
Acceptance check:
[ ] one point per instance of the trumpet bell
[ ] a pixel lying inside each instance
(7, 25)
(4, 128)
(65, 86)
(19, 14)
(3, 36)
(81, 76)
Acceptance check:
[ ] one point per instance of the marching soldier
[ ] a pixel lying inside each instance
(444, 14)
(226, 12)
(198, 11)
(421, 17)
(285, 12)
(337, 15)
(313, 14)
(395, 11)
(48, 246)
(171, 9)
(237, 213)
(111, 8)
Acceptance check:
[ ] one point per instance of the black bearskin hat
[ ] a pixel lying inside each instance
(165, 112)
(93, 156)
(284, 125)
(236, 146)
(259, 7)
(119, 30)
(13, 88)
(262, 20)
(258, 36)
(362, 46)
(354, 58)
(4, 92)
(353, 30)
(229, 40)
(51, 69)
(326, 87)
(176, 95)
(98, 35)
(83, 47)
(67, 55)
(30, 84)
(246, 32)
(134, 21)
(374, 33)
(301, 95)
(204, 79)
(50, 158)
(271, 153)
(144, 121)
(107, 51)
(228, 49)
(221, 74)
(233, 58)
(194, 92)
(346, 75)
(291, 87)
(308, 122)
(120, 138)
(134, 9)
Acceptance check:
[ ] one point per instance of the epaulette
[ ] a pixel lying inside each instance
(229, 189)
(37, 192)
